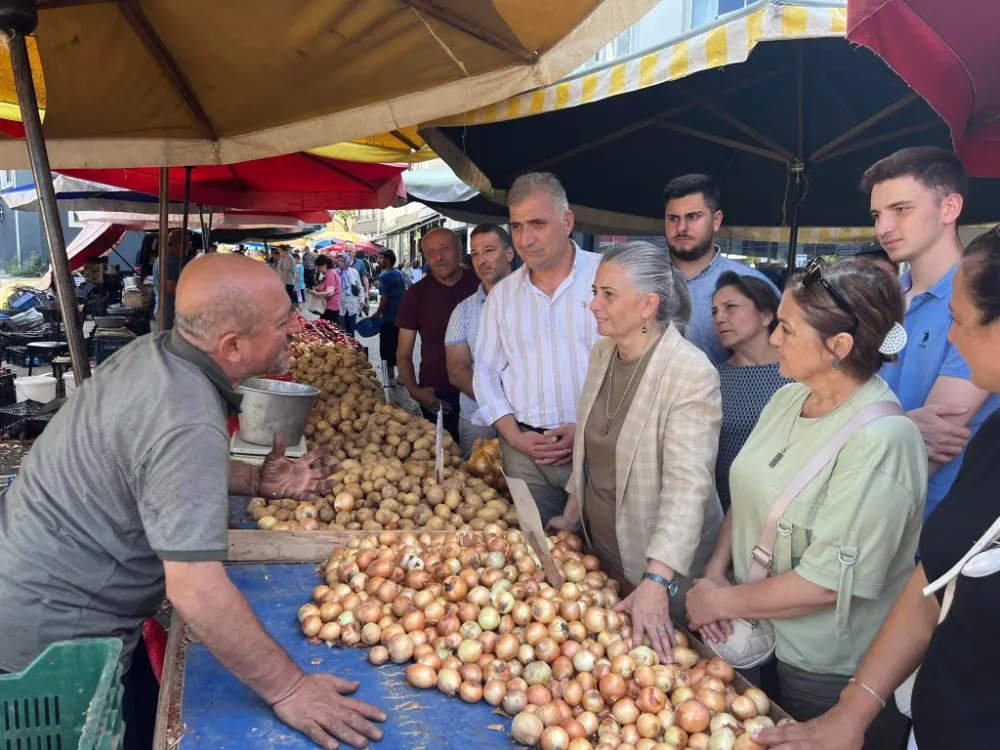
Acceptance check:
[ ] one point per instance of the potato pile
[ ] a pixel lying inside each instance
(331, 367)
(475, 614)
(390, 494)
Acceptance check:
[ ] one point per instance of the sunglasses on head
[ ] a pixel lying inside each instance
(814, 275)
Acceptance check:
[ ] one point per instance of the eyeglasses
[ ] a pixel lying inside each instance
(814, 275)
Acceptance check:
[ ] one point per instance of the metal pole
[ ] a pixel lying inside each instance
(163, 256)
(793, 232)
(186, 248)
(39, 157)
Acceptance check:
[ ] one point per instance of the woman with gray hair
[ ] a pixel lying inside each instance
(647, 434)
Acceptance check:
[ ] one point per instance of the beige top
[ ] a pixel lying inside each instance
(601, 435)
(665, 501)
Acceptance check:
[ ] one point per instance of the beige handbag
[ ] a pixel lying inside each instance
(752, 642)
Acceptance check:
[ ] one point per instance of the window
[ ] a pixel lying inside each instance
(6, 178)
(704, 12)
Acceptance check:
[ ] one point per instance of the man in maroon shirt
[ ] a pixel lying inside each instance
(426, 309)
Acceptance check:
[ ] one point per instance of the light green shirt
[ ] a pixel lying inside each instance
(854, 529)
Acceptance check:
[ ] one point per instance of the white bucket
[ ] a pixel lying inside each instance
(70, 381)
(40, 388)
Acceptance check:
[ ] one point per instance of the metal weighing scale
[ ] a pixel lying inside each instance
(251, 453)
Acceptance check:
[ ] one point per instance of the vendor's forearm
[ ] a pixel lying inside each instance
(222, 619)
(783, 596)
(898, 648)
(242, 478)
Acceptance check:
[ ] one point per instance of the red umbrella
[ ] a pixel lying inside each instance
(294, 182)
(947, 51)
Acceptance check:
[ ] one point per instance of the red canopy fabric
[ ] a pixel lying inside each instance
(294, 182)
(947, 51)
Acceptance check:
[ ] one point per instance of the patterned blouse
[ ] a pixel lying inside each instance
(745, 393)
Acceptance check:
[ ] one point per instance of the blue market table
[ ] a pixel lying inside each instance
(203, 706)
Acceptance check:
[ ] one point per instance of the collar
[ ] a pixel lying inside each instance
(187, 351)
(481, 293)
(526, 278)
(941, 290)
(706, 269)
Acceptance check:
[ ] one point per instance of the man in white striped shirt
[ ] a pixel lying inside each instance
(535, 340)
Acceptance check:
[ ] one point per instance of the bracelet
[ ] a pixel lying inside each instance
(670, 585)
(868, 690)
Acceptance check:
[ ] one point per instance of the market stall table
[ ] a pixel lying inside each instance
(213, 709)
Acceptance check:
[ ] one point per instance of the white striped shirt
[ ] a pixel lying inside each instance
(533, 350)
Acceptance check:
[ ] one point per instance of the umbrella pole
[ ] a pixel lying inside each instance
(163, 257)
(793, 231)
(39, 157)
(184, 219)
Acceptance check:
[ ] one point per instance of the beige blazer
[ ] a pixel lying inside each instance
(666, 504)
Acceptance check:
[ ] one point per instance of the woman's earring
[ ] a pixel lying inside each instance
(644, 326)
(836, 363)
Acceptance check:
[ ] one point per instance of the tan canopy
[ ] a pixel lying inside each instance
(187, 82)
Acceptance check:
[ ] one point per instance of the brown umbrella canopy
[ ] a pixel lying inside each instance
(182, 82)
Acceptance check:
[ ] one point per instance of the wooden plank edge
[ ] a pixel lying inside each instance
(255, 545)
(171, 682)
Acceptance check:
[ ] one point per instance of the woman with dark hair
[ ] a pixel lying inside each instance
(745, 313)
(824, 559)
(328, 288)
(946, 628)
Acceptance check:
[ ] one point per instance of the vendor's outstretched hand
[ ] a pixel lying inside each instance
(295, 479)
(316, 706)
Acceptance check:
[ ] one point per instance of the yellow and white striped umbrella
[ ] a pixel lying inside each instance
(716, 47)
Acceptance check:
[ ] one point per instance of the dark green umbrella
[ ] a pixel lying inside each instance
(787, 134)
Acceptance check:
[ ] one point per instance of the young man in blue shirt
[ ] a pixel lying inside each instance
(691, 220)
(392, 289)
(916, 200)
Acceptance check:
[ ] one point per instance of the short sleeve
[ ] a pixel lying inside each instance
(408, 316)
(456, 332)
(954, 366)
(870, 514)
(182, 487)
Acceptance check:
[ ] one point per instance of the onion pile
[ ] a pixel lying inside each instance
(390, 494)
(474, 613)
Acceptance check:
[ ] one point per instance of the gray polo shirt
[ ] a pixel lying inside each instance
(132, 471)
(701, 329)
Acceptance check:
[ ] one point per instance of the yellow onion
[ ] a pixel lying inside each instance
(760, 699)
(400, 649)
(420, 676)
(470, 692)
(448, 681)
(723, 738)
(514, 701)
(378, 655)
(527, 728)
(743, 708)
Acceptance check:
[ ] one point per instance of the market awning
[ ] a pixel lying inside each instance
(403, 146)
(293, 182)
(948, 52)
(193, 82)
(791, 122)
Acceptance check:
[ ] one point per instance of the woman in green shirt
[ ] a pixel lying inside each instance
(846, 544)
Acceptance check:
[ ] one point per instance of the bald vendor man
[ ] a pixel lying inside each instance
(123, 499)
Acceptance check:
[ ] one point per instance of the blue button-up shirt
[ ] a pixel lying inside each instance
(463, 328)
(701, 329)
(927, 356)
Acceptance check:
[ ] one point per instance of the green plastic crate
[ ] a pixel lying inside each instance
(69, 698)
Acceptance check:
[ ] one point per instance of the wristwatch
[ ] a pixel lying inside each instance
(670, 584)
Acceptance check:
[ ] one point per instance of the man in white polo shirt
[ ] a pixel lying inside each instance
(535, 340)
